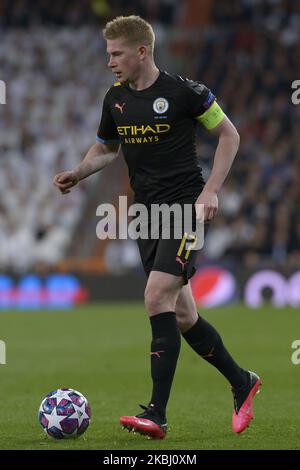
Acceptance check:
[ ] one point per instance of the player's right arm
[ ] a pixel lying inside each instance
(98, 156)
(103, 152)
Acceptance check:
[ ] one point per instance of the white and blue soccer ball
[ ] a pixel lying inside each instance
(64, 413)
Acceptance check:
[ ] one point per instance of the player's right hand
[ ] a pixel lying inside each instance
(65, 181)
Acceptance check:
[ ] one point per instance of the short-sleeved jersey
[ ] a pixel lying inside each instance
(156, 128)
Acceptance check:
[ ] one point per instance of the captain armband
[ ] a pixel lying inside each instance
(212, 117)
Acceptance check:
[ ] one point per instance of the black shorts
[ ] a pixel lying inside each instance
(174, 255)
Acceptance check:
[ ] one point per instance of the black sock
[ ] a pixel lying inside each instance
(165, 349)
(206, 341)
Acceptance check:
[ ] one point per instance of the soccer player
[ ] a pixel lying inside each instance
(153, 115)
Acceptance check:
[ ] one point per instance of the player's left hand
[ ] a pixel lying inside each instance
(207, 201)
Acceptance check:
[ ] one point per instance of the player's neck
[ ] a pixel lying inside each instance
(146, 78)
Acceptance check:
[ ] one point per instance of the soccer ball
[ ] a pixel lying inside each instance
(64, 413)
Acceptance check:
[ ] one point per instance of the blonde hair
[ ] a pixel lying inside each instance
(132, 28)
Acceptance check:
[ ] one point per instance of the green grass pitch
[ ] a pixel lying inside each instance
(102, 350)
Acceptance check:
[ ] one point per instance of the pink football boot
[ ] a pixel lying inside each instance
(149, 423)
(243, 411)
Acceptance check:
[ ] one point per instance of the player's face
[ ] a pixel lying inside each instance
(124, 59)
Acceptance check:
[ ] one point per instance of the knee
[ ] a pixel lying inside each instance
(186, 315)
(183, 323)
(157, 300)
(185, 319)
(152, 299)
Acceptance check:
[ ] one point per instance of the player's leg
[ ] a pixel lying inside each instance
(206, 342)
(161, 295)
(186, 310)
(168, 262)
(160, 299)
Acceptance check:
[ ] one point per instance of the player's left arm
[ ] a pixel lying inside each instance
(221, 126)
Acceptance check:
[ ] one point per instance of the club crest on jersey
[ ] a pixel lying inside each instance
(160, 105)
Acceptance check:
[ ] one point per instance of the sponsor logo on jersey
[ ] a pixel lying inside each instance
(142, 134)
(142, 130)
(161, 105)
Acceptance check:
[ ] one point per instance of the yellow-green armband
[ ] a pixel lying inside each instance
(212, 117)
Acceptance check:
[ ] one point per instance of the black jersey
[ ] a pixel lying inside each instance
(156, 129)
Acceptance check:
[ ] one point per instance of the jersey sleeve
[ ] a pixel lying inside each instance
(203, 105)
(107, 131)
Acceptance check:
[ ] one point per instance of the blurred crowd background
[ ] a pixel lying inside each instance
(53, 62)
